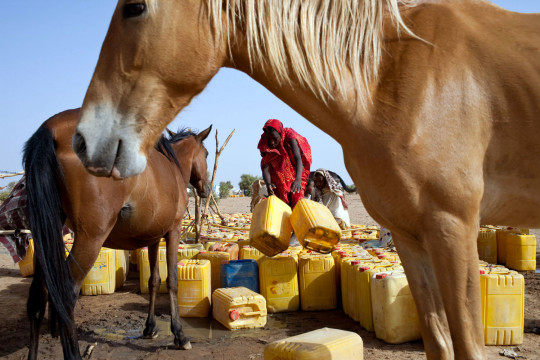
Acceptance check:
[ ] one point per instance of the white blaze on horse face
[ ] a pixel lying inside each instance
(107, 143)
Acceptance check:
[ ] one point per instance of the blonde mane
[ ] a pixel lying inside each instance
(318, 42)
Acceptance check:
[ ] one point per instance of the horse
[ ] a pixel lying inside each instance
(120, 214)
(435, 104)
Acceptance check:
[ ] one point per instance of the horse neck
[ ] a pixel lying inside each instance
(307, 103)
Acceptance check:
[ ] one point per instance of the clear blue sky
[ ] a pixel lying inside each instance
(48, 51)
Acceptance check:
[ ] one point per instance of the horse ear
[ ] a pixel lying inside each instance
(204, 134)
(171, 133)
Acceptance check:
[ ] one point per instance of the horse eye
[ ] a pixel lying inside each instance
(133, 10)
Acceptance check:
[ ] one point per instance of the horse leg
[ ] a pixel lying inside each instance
(82, 257)
(37, 301)
(151, 330)
(180, 340)
(424, 288)
(452, 260)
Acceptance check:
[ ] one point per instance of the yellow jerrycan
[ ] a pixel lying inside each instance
(194, 288)
(487, 245)
(271, 229)
(101, 279)
(395, 316)
(315, 226)
(321, 344)
(278, 283)
(144, 272)
(317, 272)
(26, 265)
(521, 252)
(239, 308)
(503, 305)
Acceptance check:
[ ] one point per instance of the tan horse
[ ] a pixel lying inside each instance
(448, 118)
(121, 214)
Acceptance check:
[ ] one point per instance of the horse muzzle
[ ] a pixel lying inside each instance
(106, 150)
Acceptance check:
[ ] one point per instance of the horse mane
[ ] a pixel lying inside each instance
(164, 144)
(318, 42)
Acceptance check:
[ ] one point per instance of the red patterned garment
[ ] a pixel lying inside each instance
(281, 160)
(13, 216)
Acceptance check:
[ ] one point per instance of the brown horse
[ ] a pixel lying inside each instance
(435, 104)
(119, 214)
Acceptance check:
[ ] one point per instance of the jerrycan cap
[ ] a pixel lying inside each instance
(364, 268)
(202, 252)
(245, 247)
(234, 314)
(482, 272)
(381, 275)
(181, 264)
(381, 256)
(356, 262)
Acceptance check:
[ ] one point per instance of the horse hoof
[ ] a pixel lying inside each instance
(186, 346)
(152, 335)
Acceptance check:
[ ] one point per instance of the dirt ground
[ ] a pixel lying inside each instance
(114, 323)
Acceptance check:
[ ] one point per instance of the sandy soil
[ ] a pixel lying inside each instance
(115, 322)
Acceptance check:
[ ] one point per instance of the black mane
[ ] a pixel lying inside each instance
(164, 144)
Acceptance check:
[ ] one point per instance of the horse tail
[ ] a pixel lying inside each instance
(46, 217)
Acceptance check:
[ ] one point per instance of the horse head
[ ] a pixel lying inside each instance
(199, 168)
(133, 93)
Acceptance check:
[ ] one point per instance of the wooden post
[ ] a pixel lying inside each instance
(214, 202)
(197, 224)
(218, 153)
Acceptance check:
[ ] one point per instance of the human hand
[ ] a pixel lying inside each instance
(296, 186)
(270, 187)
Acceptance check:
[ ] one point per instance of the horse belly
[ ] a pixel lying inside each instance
(511, 201)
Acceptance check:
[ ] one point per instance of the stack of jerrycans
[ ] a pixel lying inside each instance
(315, 226)
(356, 289)
(362, 275)
(503, 305)
(271, 228)
(218, 253)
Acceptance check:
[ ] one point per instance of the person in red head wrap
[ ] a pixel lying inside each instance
(286, 160)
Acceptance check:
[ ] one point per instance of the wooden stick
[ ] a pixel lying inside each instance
(218, 153)
(197, 218)
(223, 222)
(10, 175)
